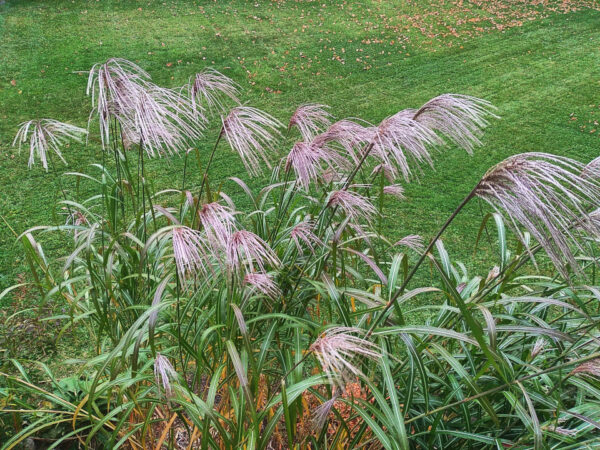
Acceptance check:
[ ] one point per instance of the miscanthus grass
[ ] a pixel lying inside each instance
(293, 323)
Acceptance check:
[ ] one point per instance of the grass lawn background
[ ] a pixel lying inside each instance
(538, 62)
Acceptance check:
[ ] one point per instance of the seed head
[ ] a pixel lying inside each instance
(44, 135)
(263, 284)
(251, 133)
(546, 195)
(353, 205)
(164, 373)
(396, 190)
(211, 88)
(338, 347)
(303, 234)
(412, 241)
(218, 222)
(189, 249)
(245, 251)
(308, 160)
(310, 119)
(460, 118)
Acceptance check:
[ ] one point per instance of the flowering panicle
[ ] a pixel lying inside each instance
(164, 373)
(114, 86)
(591, 367)
(211, 88)
(245, 250)
(349, 135)
(412, 241)
(396, 190)
(338, 347)
(388, 172)
(44, 135)
(218, 222)
(460, 118)
(400, 140)
(303, 234)
(263, 284)
(547, 195)
(307, 160)
(162, 120)
(310, 118)
(251, 133)
(354, 205)
(189, 249)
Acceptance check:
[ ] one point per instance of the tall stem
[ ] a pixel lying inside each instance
(400, 290)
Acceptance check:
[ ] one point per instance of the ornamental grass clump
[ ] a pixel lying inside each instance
(296, 322)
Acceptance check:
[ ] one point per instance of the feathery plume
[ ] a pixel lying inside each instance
(388, 171)
(245, 250)
(354, 205)
(211, 88)
(189, 252)
(412, 241)
(538, 347)
(349, 135)
(218, 222)
(547, 195)
(44, 135)
(307, 160)
(396, 190)
(338, 347)
(114, 86)
(321, 413)
(164, 373)
(261, 283)
(161, 120)
(590, 368)
(303, 234)
(400, 140)
(460, 118)
(310, 118)
(251, 133)
(592, 169)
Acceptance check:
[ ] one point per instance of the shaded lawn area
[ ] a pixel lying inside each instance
(538, 63)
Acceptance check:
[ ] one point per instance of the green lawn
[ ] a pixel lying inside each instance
(540, 65)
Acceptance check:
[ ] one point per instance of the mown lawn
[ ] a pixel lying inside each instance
(538, 63)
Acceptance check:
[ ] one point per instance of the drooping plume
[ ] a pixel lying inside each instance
(412, 241)
(251, 133)
(218, 222)
(459, 118)
(210, 89)
(189, 249)
(353, 205)
(302, 234)
(347, 134)
(44, 135)
(162, 120)
(163, 374)
(547, 195)
(261, 283)
(395, 190)
(310, 119)
(246, 251)
(339, 347)
(399, 142)
(114, 86)
(308, 161)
